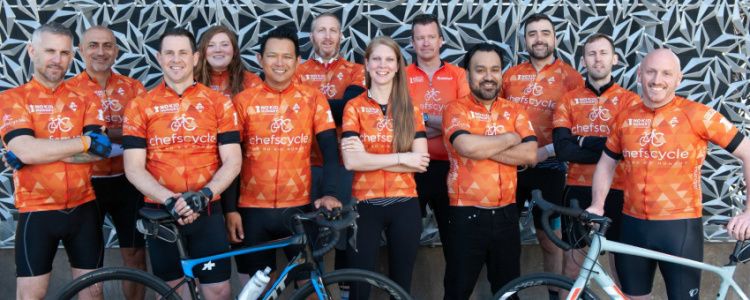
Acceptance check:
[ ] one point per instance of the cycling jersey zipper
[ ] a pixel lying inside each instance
(278, 160)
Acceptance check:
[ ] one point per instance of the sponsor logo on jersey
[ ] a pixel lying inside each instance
(443, 78)
(369, 110)
(524, 77)
(493, 129)
(295, 108)
(416, 79)
(639, 123)
(315, 77)
(59, 123)
(551, 80)
(281, 124)
(41, 108)
(167, 108)
(266, 109)
(73, 106)
(585, 101)
(673, 122)
(479, 116)
(199, 107)
(186, 123)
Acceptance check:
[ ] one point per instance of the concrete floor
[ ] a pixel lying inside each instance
(428, 277)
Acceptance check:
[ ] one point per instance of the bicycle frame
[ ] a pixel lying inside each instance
(591, 269)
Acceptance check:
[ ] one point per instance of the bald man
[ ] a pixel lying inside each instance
(662, 143)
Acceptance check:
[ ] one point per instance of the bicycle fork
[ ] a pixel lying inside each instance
(591, 269)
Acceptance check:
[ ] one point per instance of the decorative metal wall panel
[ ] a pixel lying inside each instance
(711, 37)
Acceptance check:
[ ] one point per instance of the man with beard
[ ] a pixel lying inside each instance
(51, 128)
(487, 137)
(115, 195)
(433, 83)
(537, 85)
(582, 121)
(662, 144)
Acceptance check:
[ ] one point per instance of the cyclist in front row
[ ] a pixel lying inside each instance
(279, 120)
(183, 136)
(582, 122)
(52, 127)
(662, 144)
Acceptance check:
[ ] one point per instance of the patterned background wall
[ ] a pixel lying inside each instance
(711, 37)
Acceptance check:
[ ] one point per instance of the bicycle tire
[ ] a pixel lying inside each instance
(379, 283)
(537, 282)
(152, 284)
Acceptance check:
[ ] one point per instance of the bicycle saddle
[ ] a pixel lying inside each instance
(157, 215)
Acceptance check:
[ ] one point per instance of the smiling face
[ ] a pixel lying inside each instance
(540, 39)
(427, 41)
(51, 55)
(177, 59)
(326, 37)
(659, 75)
(219, 52)
(485, 75)
(279, 61)
(598, 58)
(99, 50)
(382, 65)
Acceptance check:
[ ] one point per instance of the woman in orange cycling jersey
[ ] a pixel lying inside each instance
(220, 66)
(384, 143)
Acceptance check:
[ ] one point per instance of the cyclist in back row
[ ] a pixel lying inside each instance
(52, 127)
(662, 143)
(183, 136)
(582, 121)
(279, 120)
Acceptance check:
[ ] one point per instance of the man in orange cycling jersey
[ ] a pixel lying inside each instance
(50, 129)
(114, 193)
(183, 136)
(538, 85)
(661, 144)
(339, 80)
(433, 83)
(582, 121)
(279, 120)
(487, 137)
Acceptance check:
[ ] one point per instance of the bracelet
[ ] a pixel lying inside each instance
(85, 145)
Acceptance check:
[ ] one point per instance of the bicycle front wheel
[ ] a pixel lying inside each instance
(380, 287)
(109, 283)
(538, 286)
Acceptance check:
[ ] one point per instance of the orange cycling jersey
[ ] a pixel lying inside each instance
(63, 113)
(278, 128)
(114, 97)
(432, 96)
(220, 82)
(587, 114)
(364, 118)
(539, 92)
(332, 79)
(181, 134)
(662, 151)
(483, 183)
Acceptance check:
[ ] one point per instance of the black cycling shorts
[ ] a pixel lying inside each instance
(572, 231)
(550, 181)
(206, 236)
(682, 238)
(117, 197)
(38, 234)
(263, 225)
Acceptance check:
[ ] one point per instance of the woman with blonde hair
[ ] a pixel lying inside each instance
(384, 143)
(220, 66)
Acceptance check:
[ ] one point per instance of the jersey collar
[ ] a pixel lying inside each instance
(269, 89)
(38, 84)
(91, 79)
(602, 89)
(325, 62)
(168, 89)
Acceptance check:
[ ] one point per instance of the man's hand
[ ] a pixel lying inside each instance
(99, 144)
(415, 160)
(180, 210)
(739, 226)
(599, 211)
(352, 144)
(327, 202)
(236, 233)
(12, 161)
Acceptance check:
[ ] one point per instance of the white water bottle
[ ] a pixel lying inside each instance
(255, 285)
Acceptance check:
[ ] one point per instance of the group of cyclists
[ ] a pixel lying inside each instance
(390, 137)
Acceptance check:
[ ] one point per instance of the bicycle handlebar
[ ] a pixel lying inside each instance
(574, 212)
(336, 220)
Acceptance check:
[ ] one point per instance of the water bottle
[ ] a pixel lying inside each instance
(255, 285)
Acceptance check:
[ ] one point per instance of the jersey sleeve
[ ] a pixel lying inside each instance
(463, 85)
(455, 122)
(419, 129)
(716, 128)
(16, 118)
(613, 148)
(358, 75)
(350, 121)
(573, 80)
(323, 119)
(561, 116)
(226, 114)
(139, 89)
(249, 80)
(134, 126)
(523, 126)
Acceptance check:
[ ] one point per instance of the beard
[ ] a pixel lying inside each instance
(541, 54)
(484, 94)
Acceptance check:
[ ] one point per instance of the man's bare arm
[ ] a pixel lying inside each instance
(518, 155)
(481, 147)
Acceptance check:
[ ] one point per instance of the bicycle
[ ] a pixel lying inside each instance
(536, 286)
(159, 223)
